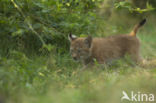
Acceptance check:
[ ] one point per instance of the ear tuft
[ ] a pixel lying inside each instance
(88, 41)
(71, 37)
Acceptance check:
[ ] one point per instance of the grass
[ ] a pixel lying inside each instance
(96, 86)
(57, 79)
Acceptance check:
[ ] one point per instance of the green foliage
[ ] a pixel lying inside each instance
(131, 8)
(35, 64)
(20, 73)
(46, 22)
(46, 77)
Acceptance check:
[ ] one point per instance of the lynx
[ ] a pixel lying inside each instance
(104, 50)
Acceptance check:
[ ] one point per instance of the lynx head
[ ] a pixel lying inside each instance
(80, 47)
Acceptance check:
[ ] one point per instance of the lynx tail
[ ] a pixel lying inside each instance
(136, 27)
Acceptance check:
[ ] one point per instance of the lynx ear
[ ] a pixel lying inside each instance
(88, 41)
(71, 37)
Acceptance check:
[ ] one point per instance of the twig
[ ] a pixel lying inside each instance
(28, 23)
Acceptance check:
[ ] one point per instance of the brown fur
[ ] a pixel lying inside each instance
(106, 49)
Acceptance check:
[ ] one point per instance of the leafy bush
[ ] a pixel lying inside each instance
(28, 25)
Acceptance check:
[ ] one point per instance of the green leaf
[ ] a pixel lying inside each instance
(68, 4)
(83, 35)
(49, 47)
(18, 32)
(37, 26)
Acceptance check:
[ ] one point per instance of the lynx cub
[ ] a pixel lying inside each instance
(106, 49)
